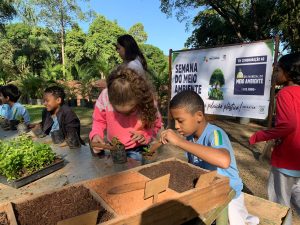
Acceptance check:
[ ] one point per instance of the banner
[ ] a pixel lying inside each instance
(232, 80)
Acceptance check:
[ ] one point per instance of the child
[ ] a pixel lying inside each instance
(16, 112)
(208, 147)
(59, 119)
(126, 109)
(3, 108)
(284, 179)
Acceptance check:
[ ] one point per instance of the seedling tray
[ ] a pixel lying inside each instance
(17, 183)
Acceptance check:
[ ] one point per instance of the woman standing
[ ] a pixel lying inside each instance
(131, 54)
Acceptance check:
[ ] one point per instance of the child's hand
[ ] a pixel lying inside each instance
(97, 139)
(169, 136)
(137, 137)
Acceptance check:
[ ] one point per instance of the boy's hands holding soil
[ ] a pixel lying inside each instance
(171, 137)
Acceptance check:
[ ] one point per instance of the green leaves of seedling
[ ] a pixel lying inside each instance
(21, 156)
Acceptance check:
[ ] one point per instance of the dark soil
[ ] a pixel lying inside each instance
(51, 208)
(183, 177)
(3, 219)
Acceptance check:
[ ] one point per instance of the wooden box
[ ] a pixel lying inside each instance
(179, 203)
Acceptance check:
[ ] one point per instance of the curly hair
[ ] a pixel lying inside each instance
(290, 64)
(125, 85)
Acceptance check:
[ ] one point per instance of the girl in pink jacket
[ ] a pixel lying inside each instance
(126, 109)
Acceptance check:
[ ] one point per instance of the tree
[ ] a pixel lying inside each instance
(32, 46)
(75, 41)
(59, 15)
(7, 72)
(217, 78)
(7, 12)
(216, 81)
(101, 39)
(158, 71)
(138, 32)
(231, 21)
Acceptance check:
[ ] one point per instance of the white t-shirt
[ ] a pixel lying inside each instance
(137, 66)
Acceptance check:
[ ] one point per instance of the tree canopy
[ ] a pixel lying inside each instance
(232, 21)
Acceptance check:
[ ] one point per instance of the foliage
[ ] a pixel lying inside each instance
(138, 32)
(33, 86)
(7, 12)
(115, 142)
(75, 40)
(215, 94)
(216, 81)
(101, 39)
(7, 72)
(51, 71)
(21, 156)
(31, 47)
(158, 71)
(217, 78)
(232, 21)
(58, 16)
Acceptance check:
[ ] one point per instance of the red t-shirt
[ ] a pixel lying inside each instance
(287, 130)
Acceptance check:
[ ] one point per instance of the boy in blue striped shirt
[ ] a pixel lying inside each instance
(208, 147)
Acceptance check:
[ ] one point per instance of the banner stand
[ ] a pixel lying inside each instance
(170, 90)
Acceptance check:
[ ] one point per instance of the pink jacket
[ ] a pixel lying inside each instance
(120, 125)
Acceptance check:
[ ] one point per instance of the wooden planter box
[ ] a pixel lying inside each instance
(172, 206)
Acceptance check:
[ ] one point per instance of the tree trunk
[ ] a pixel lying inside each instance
(62, 38)
(62, 42)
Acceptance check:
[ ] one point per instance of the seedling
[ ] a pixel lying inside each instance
(115, 142)
(22, 156)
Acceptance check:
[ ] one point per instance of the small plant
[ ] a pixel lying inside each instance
(147, 152)
(118, 152)
(22, 156)
(115, 142)
(146, 149)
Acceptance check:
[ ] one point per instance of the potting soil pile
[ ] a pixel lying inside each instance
(52, 208)
(183, 177)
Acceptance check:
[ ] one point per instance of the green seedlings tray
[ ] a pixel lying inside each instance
(17, 183)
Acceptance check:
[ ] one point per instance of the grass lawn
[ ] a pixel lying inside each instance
(84, 114)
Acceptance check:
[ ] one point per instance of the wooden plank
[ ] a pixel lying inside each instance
(269, 213)
(222, 219)
(187, 206)
(156, 186)
(89, 218)
(211, 216)
(206, 179)
(10, 214)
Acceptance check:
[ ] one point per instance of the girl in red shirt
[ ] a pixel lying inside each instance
(284, 180)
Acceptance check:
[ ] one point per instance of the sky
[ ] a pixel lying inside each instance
(163, 31)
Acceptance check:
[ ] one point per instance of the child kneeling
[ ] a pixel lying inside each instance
(58, 120)
(208, 147)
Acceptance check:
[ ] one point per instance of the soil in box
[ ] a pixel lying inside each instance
(52, 208)
(3, 219)
(183, 177)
